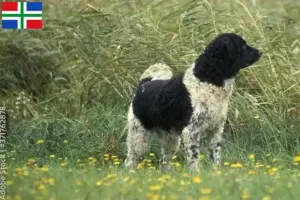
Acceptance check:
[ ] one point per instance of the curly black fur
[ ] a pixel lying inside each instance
(223, 58)
(162, 104)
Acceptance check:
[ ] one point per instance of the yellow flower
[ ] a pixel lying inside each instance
(186, 175)
(245, 194)
(18, 197)
(99, 183)
(31, 161)
(45, 168)
(116, 163)
(79, 182)
(251, 172)
(251, 156)
(202, 156)
(272, 171)
(236, 165)
(51, 181)
(204, 198)
(226, 163)
(52, 156)
(266, 198)
(63, 164)
(40, 141)
(297, 159)
(152, 154)
(126, 179)
(151, 196)
(197, 179)
(155, 187)
(206, 191)
(41, 187)
(271, 190)
(66, 141)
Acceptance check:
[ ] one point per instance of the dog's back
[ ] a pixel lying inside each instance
(163, 104)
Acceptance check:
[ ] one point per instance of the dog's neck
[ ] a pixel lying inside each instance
(208, 71)
(227, 86)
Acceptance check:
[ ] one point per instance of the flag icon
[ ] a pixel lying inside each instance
(22, 15)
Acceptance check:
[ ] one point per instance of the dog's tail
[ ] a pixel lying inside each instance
(157, 71)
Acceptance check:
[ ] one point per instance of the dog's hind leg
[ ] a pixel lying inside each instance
(170, 144)
(137, 141)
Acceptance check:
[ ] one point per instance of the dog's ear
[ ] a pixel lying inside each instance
(219, 50)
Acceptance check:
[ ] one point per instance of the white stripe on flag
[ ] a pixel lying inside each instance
(30, 12)
(13, 18)
(14, 12)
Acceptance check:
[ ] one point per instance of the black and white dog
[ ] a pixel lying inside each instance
(189, 105)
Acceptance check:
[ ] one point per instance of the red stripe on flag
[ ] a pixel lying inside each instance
(34, 24)
(9, 6)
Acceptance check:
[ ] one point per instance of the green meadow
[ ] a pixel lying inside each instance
(67, 88)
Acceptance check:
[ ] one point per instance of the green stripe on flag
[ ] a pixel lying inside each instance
(18, 15)
(22, 17)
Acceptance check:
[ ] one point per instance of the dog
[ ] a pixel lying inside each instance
(189, 105)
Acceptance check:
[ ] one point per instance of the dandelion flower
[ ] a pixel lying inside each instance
(297, 159)
(251, 172)
(151, 154)
(52, 156)
(236, 165)
(245, 194)
(99, 183)
(206, 191)
(51, 181)
(78, 182)
(155, 187)
(40, 141)
(196, 179)
(266, 198)
(45, 168)
(204, 198)
(251, 156)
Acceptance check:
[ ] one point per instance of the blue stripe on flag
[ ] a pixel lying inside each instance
(34, 6)
(9, 24)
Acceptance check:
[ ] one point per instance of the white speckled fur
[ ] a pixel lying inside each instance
(158, 71)
(210, 107)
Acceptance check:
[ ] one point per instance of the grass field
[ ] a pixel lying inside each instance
(67, 89)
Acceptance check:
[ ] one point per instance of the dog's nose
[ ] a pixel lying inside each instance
(260, 53)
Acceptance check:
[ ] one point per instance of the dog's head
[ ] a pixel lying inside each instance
(229, 53)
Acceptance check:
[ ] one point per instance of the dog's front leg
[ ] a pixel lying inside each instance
(216, 145)
(191, 140)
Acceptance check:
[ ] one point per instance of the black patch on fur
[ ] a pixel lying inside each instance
(163, 104)
(223, 58)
